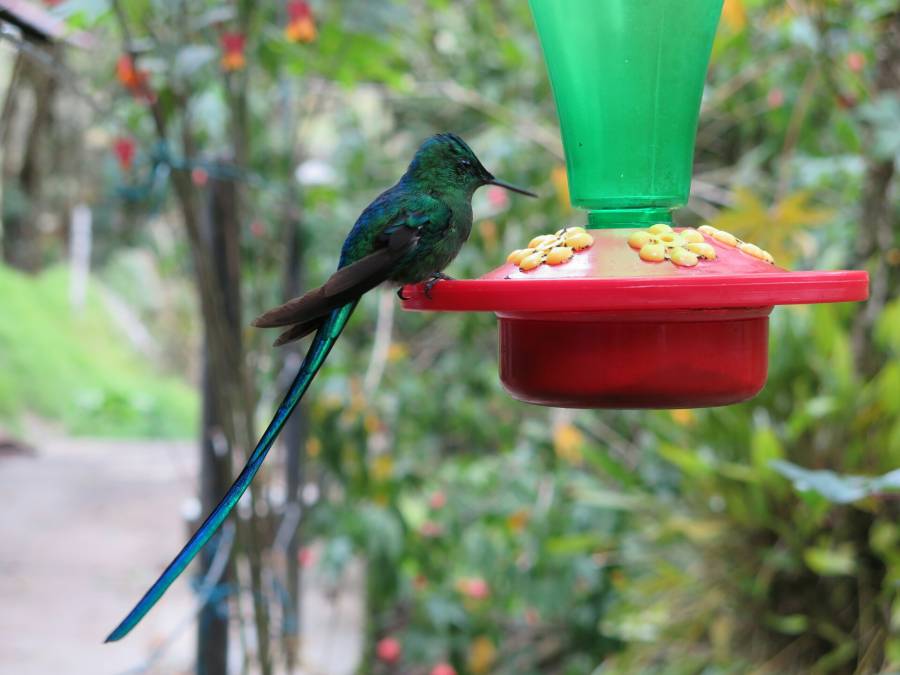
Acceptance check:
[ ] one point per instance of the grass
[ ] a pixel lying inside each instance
(77, 369)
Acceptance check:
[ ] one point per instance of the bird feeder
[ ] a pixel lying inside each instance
(632, 312)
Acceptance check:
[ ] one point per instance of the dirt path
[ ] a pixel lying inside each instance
(86, 524)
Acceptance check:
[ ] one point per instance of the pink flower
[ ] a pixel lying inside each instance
(438, 500)
(497, 197)
(305, 556)
(388, 650)
(856, 61)
(475, 588)
(443, 669)
(431, 529)
(775, 99)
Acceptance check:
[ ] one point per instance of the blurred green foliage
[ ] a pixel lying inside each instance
(78, 368)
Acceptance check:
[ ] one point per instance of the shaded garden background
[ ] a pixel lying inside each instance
(224, 150)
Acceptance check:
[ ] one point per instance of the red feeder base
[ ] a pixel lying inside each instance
(610, 330)
(675, 359)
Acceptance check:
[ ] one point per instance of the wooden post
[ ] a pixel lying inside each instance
(79, 256)
(293, 440)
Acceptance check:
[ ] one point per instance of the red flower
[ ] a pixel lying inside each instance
(233, 58)
(257, 228)
(388, 650)
(301, 26)
(124, 149)
(199, 176)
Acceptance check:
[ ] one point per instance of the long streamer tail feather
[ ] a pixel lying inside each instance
(325, 338)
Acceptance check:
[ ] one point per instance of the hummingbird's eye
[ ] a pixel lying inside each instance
(465, 162)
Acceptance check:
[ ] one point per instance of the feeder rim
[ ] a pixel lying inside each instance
(723, 291)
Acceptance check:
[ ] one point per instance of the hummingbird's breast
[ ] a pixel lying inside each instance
(439, 244)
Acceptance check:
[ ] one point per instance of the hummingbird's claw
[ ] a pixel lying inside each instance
(436, 277)
(400, 294)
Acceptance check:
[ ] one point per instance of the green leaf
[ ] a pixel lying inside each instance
(790, 624)
(837, 488)
(81, 13)
(831, 561)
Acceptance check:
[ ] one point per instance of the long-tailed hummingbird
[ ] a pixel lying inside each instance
(409, 234)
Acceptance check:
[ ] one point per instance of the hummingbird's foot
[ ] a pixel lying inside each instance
(400, 294)
(436, 277)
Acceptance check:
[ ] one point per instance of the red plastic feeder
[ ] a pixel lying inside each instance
(681, 324)
(609, 330)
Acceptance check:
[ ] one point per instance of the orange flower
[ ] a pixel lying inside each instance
(134, 80)
(301, 26)
(233, 52)
(482, 654)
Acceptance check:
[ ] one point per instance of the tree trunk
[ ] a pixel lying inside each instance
(221, 238)
(27, 119)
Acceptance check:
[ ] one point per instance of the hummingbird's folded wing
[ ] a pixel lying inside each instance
(299, 331)
(348, 283)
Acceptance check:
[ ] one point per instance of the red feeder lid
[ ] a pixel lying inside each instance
(610, 275)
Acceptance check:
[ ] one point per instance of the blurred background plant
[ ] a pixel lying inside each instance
(228, 146)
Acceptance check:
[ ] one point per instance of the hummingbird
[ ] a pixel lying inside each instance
(407, 235)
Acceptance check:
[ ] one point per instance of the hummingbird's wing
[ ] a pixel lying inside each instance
(299, 331)
(349, 282)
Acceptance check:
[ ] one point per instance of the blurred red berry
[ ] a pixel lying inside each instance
(856, 61)
(257, 228)
(388, 650)
(443, 669)
(438, 500)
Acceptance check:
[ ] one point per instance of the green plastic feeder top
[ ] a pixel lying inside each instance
(627, 76)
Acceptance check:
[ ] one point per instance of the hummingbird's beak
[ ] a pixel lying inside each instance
(512, 188)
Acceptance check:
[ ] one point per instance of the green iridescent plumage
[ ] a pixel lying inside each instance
(407, 235)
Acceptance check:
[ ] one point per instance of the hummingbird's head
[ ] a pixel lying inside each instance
(445, 161)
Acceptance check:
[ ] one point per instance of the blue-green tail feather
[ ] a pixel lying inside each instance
(315, 357)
